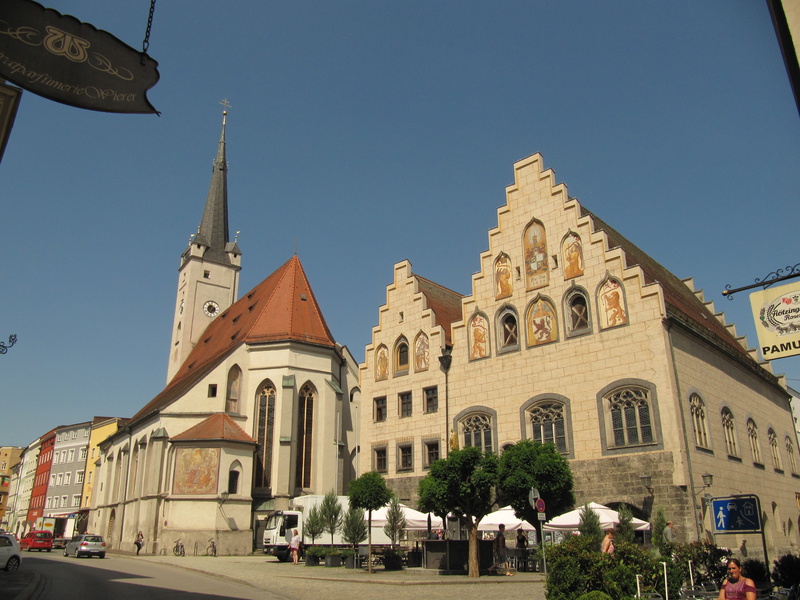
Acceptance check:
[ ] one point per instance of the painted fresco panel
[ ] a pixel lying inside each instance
(381, 364)
(537, 273)
(612, 305)
(572, 252)
(196, 471)
(502, 277)
(542, 323)
(421, 353)
(478, 337)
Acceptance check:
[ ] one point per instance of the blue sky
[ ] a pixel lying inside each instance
(364, 133)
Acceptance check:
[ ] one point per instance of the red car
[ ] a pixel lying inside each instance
(37, 540)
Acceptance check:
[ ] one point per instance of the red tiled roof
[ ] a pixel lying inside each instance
(280, 308)
(445, 304)
(218, 426)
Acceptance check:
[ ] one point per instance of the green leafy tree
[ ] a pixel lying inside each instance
(370, 493)
(625, 527)
(354, 527)
(786, 572)
(462, 484)
(330, 510)
(657, 527)
(313, 526)
(395, 520)
(527, 465)
(589, 526)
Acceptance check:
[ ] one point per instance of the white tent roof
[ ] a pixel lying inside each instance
(609, 519)
(415, 520)
(504, 516)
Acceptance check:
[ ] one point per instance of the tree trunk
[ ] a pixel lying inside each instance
(474, 564)
(369, 542)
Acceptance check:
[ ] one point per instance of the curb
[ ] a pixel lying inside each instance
(31, 588)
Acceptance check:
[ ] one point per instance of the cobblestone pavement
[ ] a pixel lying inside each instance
(320, 583)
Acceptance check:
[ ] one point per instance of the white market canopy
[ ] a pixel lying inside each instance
(504, 516)
(415, 520)
(609, 519)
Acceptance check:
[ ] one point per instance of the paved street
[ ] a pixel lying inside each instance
(284, 580)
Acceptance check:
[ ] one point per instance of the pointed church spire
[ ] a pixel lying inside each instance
(213, 231)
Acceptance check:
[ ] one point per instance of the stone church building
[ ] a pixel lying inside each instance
(572, 335)
(258, 406)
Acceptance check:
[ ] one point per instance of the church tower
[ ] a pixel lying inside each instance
(208, 278)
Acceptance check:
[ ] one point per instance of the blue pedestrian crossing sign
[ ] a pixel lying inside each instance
(736, 514)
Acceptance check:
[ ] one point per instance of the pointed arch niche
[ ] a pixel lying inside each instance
(503, 280)
(478, 336)
(572, 255)
(421, 352)
(534, 245)
(612, 307)
(381, 363)
(541, 322)
(232, 390)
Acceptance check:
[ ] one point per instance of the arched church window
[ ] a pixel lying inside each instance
(476, 429)
(234, 473)
(698, 410)
(630, 412)
(548, 425)
(752, 435)
(265, 434)
(729, 429)
(305, 430)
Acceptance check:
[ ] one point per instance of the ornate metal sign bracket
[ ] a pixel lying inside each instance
(774, 277)
(12, 339)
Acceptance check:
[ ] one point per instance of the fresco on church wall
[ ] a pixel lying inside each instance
(196, 471)
(381, 363)
(478, 337)
(612, 301)
(535, 247)
(502, 277)
(421, 353)
(572, 251)
(542, 323)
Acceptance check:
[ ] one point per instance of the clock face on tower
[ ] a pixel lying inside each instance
(211, 308)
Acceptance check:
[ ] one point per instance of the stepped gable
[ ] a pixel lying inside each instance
(218, 426)
(681, 302)
(445, 304)
(280, 308)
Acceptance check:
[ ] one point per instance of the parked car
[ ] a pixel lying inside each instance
(37, 540)
(60, 542)
(10, 554)
(86, 544)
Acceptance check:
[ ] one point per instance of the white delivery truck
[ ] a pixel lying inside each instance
(282, 523)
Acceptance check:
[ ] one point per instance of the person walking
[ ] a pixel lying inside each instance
(294, 547)
(139, 542)
(500, 551)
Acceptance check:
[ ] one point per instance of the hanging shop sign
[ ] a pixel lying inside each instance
(59, 57)
(776, 312)
(9, 101)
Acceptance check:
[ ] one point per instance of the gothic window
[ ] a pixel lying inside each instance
(265, 435)
(611, 301)
(421, 353)
(381, 363)
(790, 453)
(728, 426)
(547, 424)
(401, 357)
(777, 464)
(698, 410)
(508, 330)
(234, 473)
(541, 322)
(232, 390)
(631, 423)
(534, 244)
(478, 337)
(477, 431)
(305, 429)
(572, 255)
(503, 286)
(752, 435)
(577, 317)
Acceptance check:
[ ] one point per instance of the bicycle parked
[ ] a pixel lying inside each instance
(178, 549)
(212, 548)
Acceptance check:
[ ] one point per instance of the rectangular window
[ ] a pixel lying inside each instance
(63, 456)
(82, 455)
(52, 479)
(71, 455)
(49, 502)
(379, 455)
(79, 477)
(76, 500)
(89, 480)
(85, 433)
(405, 457)
(64, 501)
(431, 452)
(74, 434)
(67, 478)
(59, 479)
(431, 399)
(405, 404)
(380, 409)
(212, 390)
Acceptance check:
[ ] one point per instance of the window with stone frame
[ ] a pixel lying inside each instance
(631, 417)
(406, 404)
(777, 464)
(476, 430)
(431, 399)
(401, 357)
(752, 435)
(508, 328)
(790, 453)
(548, 425)
(729, 428)
(305, 436)
(578, 317)
(431, 452)
(405, 457)
(697, 408)
(379, 462)
(265, 434)
(379, 410)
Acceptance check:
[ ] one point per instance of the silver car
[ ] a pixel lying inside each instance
(10, 555)
(86, 544)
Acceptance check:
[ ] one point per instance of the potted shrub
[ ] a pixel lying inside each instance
(333, 558)
(313, 555)
(393, 559)
(354, 531)
(349, 557)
